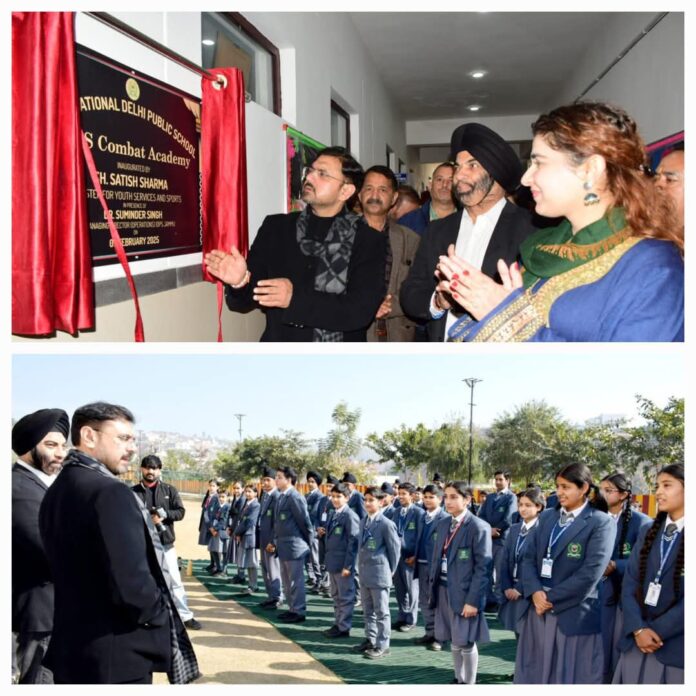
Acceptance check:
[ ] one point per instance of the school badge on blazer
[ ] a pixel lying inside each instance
(411, 525)
(283, 516)
(574, 550)
(626, 549)
(338, 530)
(463, 554)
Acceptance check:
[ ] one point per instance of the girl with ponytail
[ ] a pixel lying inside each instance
(560, 638)
(616, 490)
(652, 640)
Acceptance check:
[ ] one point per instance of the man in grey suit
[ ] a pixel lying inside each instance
(39, 441)
(378, 556)
(270, 565)
(292, 539)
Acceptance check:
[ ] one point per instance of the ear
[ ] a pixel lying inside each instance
(88, 436)
(393, 200)
(594, 170)
(346, 192)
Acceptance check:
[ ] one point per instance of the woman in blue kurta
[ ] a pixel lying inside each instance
(462, 556)
(530, 505)
(560, 636)
(611, 271)
(652, 643)
(616, 490)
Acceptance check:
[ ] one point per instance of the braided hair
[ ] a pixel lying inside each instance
(623, 485)
(677, 471)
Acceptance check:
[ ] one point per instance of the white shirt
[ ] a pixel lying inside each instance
(576, 513)
(44, 478)
(473, 239)
(527, 527)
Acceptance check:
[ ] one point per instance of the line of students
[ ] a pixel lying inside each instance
(593, 590)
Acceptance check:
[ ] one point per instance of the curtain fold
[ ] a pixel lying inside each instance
(223, 169)
(52, 287)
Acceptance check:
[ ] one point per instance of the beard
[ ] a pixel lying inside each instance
(478, 191)
(44, 463)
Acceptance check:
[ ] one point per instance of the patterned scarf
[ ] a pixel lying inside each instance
(555, 250)
(333, 257)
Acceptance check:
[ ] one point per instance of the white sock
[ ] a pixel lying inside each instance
(469, 663)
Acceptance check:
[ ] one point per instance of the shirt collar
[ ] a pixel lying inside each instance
(44, 478)
(492, 214)
(531, 524)
(679, 523)
(459, 518)
(578, 511)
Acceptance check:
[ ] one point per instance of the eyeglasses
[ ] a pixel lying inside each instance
(321, 173)
(125, 439)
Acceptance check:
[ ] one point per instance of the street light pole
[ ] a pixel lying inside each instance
(239, 417)
(471, 383)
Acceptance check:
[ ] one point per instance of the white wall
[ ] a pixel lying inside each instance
(329, 56)
(648, 82)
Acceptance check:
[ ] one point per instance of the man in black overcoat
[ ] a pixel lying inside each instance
(114, 619)
(488, 227)
(319, 274)
(38, 440)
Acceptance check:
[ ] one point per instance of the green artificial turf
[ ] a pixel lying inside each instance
(407, 663)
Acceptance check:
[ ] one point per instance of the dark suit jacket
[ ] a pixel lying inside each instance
(32, 589)
(514, 226)
(276, 254)
(111, 622)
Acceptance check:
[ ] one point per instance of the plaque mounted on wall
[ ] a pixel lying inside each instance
(143, 135)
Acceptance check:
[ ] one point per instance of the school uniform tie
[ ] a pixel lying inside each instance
(566, 518)
(670, 529)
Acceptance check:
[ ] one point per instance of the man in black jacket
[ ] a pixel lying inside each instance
(488, 228)
(39, 440)
(114, 619)
(319, 274)
(164, 504)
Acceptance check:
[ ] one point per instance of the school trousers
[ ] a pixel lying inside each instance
(375, 604)
(406, 591)
(270, 566)
(343, 596)
(292, 579)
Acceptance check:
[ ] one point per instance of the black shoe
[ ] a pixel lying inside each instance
(397, 625)
(193, 625)
(362, 647)
(424, 640)
(334, 632)
(238, 580)
(292, 617)
(376, 653)
(246, 592)
(405, 628)
(269, 604)
(436, 646)
(492, 608)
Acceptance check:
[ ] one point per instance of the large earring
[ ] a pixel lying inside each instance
(590, 198)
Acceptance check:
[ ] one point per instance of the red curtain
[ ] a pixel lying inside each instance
(51, 264)
(223, 165)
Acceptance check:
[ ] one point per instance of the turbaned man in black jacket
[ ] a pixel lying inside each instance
(487, 229)
(164, 504)
(319, 274)
(39, 440)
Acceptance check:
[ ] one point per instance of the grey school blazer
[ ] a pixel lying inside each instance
(378, 551)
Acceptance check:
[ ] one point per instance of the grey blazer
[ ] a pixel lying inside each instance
(293, 528)
(378, 551)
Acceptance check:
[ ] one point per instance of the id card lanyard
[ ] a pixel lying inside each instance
(547, 562)
(655, 587)
(448, 541)
(519, 545)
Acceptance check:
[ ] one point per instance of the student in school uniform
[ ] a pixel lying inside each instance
(387, 502)
(409, 524)
(209, 507)
(652, 644)
(341, 539)
(460, 564)
(237, 502)
(418, 497)
(565, 558)
(498, 510)
(378, 556)
(616, 490)
(314, 498)
(355, 500)
(219, 538)
(245, 536)
(432, 504)
(530, 504)
(292, 536)
(324, 510)
(270, 564)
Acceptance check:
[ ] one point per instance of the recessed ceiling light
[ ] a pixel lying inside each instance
(474, 107)
(208, 42)
(477, 74)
